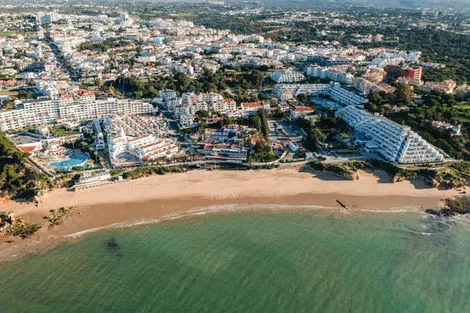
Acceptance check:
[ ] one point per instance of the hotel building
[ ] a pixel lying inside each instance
(77, 107)
(288, 76)
(396, 143)
(345, 97)
(286, 92)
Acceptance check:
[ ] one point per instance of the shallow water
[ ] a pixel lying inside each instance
(253, 262)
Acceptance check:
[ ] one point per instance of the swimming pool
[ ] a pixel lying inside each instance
(75, 159)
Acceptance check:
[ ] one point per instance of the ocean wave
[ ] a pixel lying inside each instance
(394, 210)
(221, 208)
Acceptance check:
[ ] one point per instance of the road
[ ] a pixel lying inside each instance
(74, 76)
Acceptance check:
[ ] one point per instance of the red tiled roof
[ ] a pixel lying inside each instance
(27, 149)
(82, 92)
(255, 104)
(303, 109)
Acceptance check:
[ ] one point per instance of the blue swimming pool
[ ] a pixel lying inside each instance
(75, 159)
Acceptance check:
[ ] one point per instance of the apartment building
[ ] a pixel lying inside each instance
(300, 112)
(77, 107)
(224, 152)
(143, 148)
(288, 76)
(396, 143)
(80, 106)
(29, 113)
(345, 96)
(100, 143)
(333, 74)
(249, 108)
(395, 71)
(223, 134)
(191, 103)
(365, 86)
(285, 92)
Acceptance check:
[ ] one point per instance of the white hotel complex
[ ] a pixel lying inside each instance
(396, 143)
(285, 92)
(140, 136)
(287, 76)
(79, 106)
(190, 103)
(344, 96)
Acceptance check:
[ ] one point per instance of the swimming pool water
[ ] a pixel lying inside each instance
(76, 159)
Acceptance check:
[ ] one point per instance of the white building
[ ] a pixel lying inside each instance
(191, 103)
(333, 74)
(288, 76)
(99, 140)
(396, 143)
(187, 121)
(249, 108)
(77, 107)
(144, 148)
(345, 96)
(286, 92)
(300, 112)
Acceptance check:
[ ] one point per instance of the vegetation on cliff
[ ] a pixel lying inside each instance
(452, 176)
(16, 226)
(453, 207)
(17, 178)
(148, 171)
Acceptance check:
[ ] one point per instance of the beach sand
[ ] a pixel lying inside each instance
(169, 196)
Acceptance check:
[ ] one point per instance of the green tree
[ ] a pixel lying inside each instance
(403, 94)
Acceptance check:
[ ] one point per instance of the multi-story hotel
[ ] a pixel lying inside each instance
(143, 138)
(395, 71)
(286, 92)
(345, 96)
(333, 74)
(250, 108)
(288, 76)
(144, 148)
(396, 143)
(224, 152)
(365, 86)
(80, 106)
(192, 103)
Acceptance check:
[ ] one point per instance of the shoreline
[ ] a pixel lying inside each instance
(157, 198)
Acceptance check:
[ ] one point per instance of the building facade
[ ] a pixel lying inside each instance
(396, 143)
(77, 107)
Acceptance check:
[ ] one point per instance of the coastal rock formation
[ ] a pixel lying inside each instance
(453, 207)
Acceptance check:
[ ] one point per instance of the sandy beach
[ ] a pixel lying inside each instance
(170, 196)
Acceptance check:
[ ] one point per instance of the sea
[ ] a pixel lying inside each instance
(264, 261)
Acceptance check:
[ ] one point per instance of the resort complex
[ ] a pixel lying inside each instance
(255, 156)
(133, 138)
(128, 89)
(78, 106)
(396, 143)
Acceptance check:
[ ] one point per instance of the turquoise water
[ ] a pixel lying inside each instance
(253, 262)
(76, 159)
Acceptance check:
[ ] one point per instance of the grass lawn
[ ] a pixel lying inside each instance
(61, 132)
(8, 93)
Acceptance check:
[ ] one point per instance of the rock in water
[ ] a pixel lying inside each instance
(112, 243)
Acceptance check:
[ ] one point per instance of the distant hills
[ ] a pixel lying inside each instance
(406, 4)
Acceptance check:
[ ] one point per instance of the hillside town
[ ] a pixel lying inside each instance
(113, 89)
